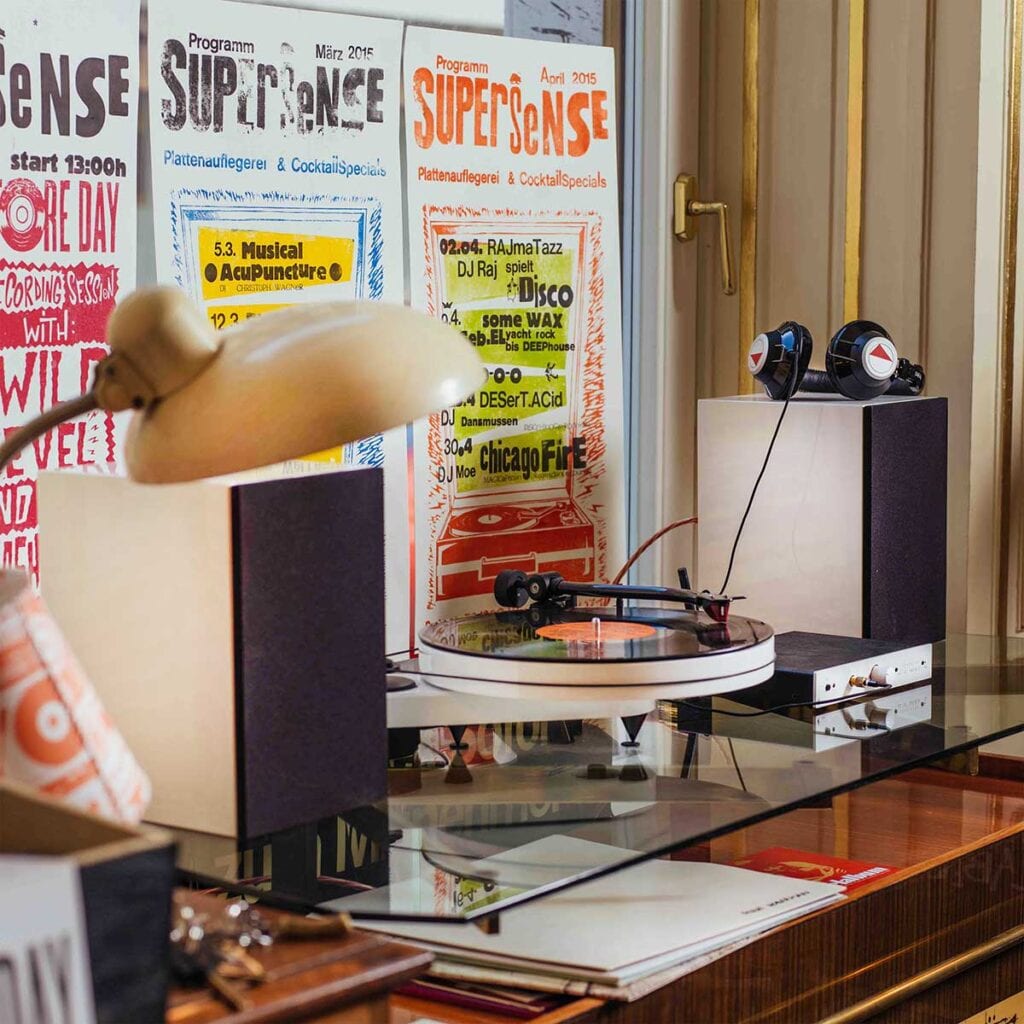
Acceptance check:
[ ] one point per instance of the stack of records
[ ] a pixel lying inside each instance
(619, 936)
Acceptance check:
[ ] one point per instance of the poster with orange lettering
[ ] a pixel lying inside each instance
(69, 81)
(513, 239)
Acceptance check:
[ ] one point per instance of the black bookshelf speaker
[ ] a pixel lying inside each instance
(847, 533)
(904, 520)
(234, 630)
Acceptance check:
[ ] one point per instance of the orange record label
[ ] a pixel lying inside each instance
(591, 633)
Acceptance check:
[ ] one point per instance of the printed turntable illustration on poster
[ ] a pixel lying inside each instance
(514, 465)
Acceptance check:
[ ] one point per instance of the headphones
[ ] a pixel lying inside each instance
(861, 363)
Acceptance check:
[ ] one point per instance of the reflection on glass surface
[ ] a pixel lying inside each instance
(468, 830)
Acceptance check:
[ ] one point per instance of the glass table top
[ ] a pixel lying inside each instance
(468, 830)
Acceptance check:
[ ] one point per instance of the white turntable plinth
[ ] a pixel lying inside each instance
(507, 655)
(621, 695)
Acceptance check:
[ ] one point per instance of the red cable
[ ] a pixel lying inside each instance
(647, 543)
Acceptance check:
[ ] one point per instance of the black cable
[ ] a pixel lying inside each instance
(798, 352)
(736, 764)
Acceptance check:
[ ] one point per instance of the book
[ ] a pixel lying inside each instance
(818, 867)
(474, 995)
(552, 983)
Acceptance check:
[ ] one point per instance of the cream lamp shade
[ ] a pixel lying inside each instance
(277, 386)
(274, 387)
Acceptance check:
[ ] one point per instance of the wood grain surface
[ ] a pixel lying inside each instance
(959, 841)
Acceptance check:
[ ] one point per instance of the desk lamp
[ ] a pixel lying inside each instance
(274, 387)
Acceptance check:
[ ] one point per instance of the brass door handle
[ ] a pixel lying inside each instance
(687, 208)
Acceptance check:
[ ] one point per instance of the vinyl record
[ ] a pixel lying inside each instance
(544, 645)
(542, 633)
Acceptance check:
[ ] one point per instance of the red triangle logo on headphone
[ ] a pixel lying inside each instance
(758, 352)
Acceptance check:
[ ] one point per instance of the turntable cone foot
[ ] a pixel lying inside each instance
(458, 773)
(632, 725)
(458, 731)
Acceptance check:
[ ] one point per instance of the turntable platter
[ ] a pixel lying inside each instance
(594, 648)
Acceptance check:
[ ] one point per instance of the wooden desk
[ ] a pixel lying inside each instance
(959, 841)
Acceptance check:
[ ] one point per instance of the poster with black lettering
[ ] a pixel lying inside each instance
(513, 238)
(68, 124)
(44, 959)
(277, 177)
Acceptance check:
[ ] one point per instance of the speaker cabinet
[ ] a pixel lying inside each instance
(235, 634)
(847, 534)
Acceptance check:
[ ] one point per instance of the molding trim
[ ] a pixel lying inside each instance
(660, 84)
(854, 160)
(984, 569)
(926, 184)
(918, 983)
(748, 203)
(1006, 620)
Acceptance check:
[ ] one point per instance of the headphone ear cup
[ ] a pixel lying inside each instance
(861, 360)
(776, 356)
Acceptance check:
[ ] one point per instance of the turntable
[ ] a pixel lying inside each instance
(555, 648)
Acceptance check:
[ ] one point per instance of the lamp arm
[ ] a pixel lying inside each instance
(58, 414)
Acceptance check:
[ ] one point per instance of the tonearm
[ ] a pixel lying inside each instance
(513, 589)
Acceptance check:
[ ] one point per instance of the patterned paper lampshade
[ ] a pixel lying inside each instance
(54, 733)
(279, 386)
